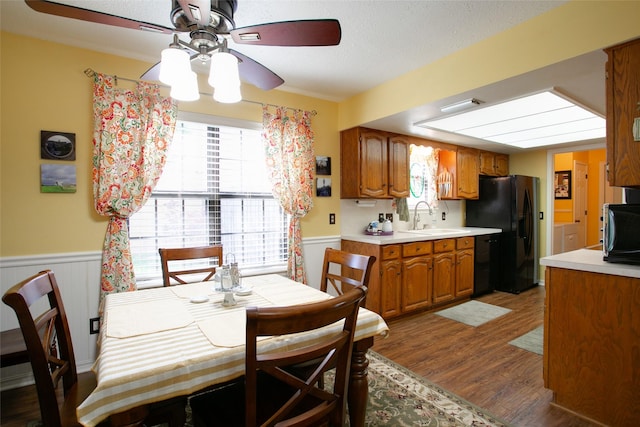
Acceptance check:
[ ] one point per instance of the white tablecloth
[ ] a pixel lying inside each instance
(181, 359)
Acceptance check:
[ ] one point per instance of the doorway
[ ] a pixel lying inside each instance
(563, 230)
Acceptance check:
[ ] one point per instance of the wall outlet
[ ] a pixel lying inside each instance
(444, 216)
(332, 218)
(389, 216)
(94, 325)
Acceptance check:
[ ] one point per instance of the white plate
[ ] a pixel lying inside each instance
(199, 298)
(243, 291)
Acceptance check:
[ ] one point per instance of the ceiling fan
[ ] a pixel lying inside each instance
(210, 25)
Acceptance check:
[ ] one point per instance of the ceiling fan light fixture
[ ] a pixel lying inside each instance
(186, 89)
(227, 94)
(175, 66)
(224, 70)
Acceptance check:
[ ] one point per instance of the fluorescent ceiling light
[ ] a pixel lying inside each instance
(544, 118)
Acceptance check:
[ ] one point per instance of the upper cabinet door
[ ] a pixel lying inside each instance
(398, 166)
(468, 171)
(373, 164)
(623, 107)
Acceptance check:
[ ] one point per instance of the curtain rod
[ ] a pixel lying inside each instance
(90, 73)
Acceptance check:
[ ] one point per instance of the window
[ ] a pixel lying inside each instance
(214, 190)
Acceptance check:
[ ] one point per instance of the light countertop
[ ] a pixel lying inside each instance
(421, 235)
(591, 261)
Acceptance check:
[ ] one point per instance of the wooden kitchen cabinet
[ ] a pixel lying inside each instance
(623, 106)
(373, 164)
(417, 277)
(591, 344)
(458, 174)
(494, 164)
(444, 274)
(464, 266)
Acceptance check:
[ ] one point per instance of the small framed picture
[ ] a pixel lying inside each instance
(562, 185)
(323, 187)
(57, 145)
(323, 165)
(57, 178)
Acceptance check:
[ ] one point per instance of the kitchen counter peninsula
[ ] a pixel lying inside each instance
(591, 356)
(418, 269)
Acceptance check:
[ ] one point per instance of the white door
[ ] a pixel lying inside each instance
(580, 202)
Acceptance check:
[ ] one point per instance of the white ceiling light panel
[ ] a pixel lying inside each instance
(536, 120)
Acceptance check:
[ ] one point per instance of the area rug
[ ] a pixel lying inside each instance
(531, 341)
(473, 313)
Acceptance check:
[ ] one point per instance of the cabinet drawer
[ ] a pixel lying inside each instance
(390, 252)
(444, 245)
(417, 248)
(464, 242)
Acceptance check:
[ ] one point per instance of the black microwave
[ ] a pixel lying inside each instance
(621, 233)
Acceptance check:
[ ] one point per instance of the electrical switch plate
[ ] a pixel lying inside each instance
(332, 218)
(540, 215)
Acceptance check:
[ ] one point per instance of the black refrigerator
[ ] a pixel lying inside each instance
(510, 203)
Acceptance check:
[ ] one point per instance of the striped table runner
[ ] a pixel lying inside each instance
(180, 360)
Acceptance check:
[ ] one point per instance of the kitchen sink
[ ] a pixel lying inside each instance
(436, 231)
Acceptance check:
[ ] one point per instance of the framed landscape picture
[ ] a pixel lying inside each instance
(323, 165)
(57, 178)
(562, 185)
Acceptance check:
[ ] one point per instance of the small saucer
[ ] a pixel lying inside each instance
(243, 291)
(199, 299)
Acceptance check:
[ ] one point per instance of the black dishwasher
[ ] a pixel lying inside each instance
(486, 271)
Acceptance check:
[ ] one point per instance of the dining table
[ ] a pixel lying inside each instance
(161, 343)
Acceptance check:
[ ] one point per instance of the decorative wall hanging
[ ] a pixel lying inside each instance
(323, 187)
(57, 178)
(323, 165)
(562, 184)
(57, 145)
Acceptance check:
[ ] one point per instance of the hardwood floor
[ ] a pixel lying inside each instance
(477, 364)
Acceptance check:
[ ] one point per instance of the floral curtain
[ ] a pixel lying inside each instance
(130, 139)
(288, 140)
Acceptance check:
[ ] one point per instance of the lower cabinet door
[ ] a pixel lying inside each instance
(416, 283)
(390, 286)
(443, 277)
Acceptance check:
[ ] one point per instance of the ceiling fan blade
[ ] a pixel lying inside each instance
(152, 74)
(317, 32)
(255, 73)
(198, 11)
(82, 14)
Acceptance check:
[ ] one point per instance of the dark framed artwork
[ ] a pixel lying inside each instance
(57, 178)
(323, 165)
(323, 187)
(57, 145)
(562, 185)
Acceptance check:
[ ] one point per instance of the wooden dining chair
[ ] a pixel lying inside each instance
(38, 305)
(48, 343)
(271, 394)
(188, 265)
(342, 270)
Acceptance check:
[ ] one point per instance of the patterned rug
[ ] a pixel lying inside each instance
(399, 397)
(473, 313)
(531, 341)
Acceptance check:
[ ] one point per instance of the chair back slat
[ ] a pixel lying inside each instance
(342, 271)
(178, 264)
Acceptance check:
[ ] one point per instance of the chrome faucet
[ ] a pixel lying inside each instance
(415, 213)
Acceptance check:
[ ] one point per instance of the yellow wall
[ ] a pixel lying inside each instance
(44, 88)
(534, 163)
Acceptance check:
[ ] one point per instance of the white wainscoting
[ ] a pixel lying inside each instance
(78, 276)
